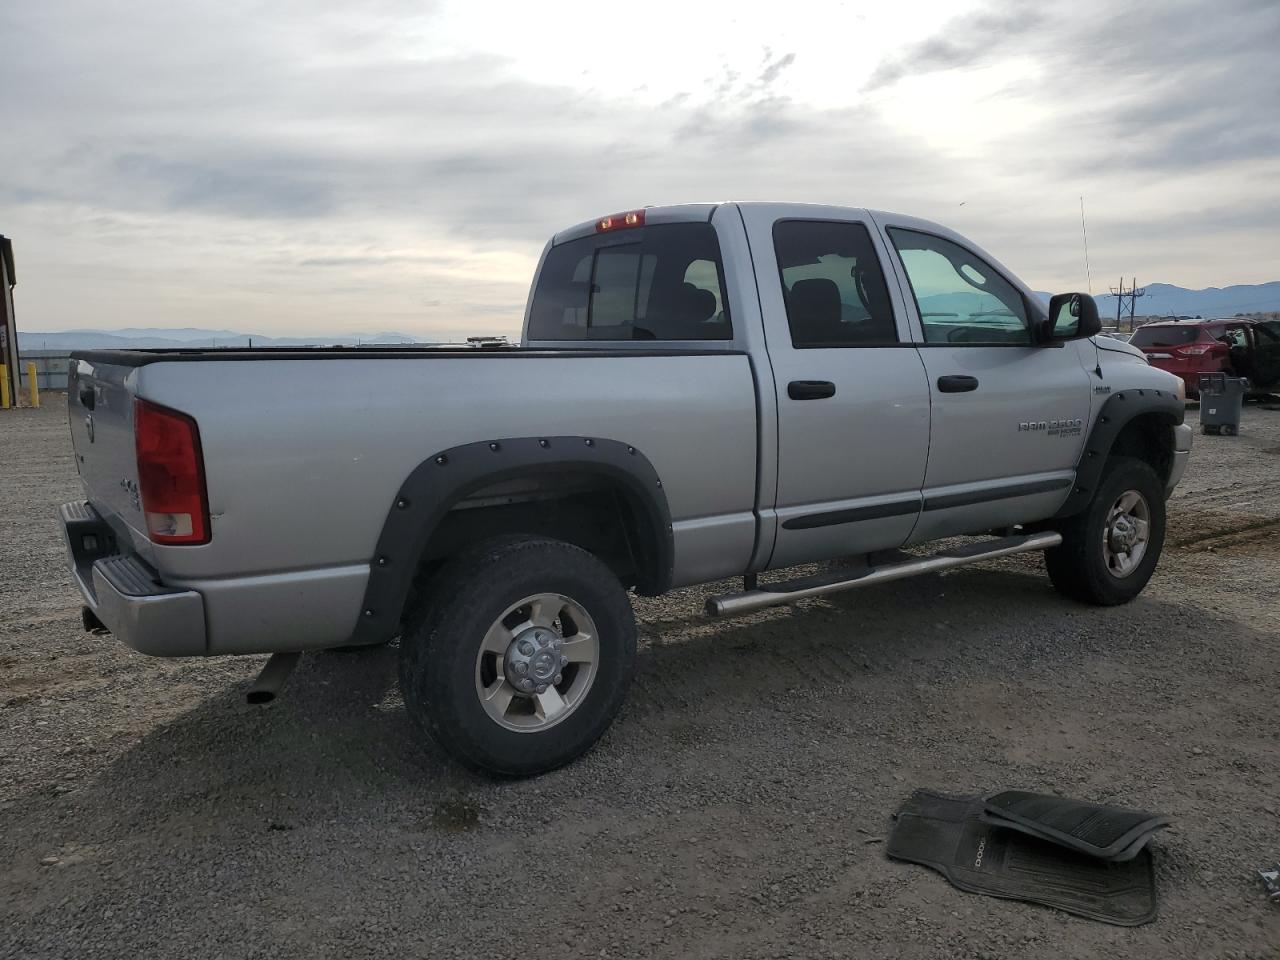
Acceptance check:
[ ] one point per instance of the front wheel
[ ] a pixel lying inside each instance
(1109, 551)
(520, 657)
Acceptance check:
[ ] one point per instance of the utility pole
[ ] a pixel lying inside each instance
(1132, 295)
(8, 325)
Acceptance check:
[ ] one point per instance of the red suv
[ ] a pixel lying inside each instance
(1188, 348)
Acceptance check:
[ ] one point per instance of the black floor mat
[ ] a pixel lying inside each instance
(947, 833)
(1109, 833)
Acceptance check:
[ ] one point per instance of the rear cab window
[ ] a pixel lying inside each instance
(660, 282)
(1153, 335)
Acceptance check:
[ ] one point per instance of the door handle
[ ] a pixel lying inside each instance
(957, 383)
(810, 389)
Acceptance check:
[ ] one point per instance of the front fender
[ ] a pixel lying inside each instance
(1118, 412)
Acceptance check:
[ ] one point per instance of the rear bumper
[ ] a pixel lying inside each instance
(1188, 370)
(125, 595)
(1182, 434)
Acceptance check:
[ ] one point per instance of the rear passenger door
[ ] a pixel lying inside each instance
(853, 402)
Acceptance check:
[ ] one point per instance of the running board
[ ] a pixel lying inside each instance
(771, 595)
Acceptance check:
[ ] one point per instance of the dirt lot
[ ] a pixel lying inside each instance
(736, 809)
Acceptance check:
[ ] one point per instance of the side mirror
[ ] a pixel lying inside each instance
(1072, 316)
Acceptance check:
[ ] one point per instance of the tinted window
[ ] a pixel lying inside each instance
(1170, 336)
(961, 298)
(662, 282)
(832, 282)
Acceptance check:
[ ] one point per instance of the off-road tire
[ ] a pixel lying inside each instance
(1078, 567)
(443, 633)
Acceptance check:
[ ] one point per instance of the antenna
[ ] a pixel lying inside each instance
(1087, 272)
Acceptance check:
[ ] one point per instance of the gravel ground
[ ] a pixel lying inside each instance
(736, 809)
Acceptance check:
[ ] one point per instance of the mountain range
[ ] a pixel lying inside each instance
(190, 338)
(1164, 299)
(1161, 299)
(1168, 300)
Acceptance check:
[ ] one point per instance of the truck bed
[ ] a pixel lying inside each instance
(303, 460)
(140, 358)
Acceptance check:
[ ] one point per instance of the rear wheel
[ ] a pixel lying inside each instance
(520, 657)
(1109, 551)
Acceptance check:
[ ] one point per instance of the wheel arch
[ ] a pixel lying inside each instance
(600, 494)
(1135, 423)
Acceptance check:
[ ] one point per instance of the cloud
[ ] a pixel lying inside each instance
(300, 164)
(968, 40)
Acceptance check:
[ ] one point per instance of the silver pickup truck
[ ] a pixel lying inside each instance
(701, 392)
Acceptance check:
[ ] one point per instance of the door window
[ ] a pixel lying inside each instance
(833, 285)
(961, 298)
(1234, 337)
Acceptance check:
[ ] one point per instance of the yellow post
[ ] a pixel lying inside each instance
(4, 389)
(33, 384)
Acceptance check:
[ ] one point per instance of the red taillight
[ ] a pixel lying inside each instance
(1195, 350)
(170, 475)
(620, 221)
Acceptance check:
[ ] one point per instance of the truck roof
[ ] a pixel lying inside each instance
(703, 212)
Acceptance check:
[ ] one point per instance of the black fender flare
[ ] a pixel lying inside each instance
(448, 476)
(1117, 413)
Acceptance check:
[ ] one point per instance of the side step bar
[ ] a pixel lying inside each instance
(771, 595)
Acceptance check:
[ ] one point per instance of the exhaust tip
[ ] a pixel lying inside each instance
(272, 678)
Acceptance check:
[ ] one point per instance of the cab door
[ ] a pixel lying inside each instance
(1009, 416)
(852, 398)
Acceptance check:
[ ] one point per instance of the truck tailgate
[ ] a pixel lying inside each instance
(100, 410)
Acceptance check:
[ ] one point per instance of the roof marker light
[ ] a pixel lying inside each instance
(620, 221)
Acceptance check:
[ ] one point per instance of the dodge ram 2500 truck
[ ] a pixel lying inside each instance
(701, 392)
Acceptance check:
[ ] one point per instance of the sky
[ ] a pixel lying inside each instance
(301, 167)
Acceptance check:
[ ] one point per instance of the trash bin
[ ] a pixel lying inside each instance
(1221, 398)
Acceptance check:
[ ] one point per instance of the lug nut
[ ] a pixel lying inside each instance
(526, 648)
(564, 662)
(557, 680)
(520, 667)
(542, 688)
(526, 684)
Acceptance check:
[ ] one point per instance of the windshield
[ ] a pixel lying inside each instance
(1152, 336)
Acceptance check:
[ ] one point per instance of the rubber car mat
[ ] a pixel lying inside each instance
(1126, 853)
(1111, 833)
(947, 834)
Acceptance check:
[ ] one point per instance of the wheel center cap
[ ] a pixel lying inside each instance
(1123, 533)
(534, 659)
